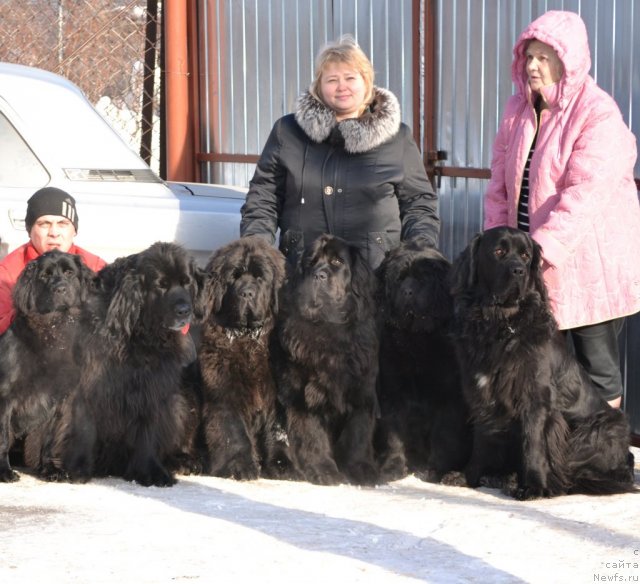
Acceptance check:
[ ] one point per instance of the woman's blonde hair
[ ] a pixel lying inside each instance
(345, 50)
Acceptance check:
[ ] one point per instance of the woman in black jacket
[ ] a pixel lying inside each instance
(343, 164)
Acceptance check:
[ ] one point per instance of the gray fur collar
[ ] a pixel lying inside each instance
(377, 125)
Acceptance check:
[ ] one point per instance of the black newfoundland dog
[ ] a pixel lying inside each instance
(243, 437)
(43, 349)
(327, 369)
(420, 391)
(127, 417)
(534, 410)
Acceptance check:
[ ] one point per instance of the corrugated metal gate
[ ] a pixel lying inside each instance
(447, 60)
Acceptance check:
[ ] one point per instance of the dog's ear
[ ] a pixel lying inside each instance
(125, 306)
(536, 272)
(278, 263)
(380, 275)
(304, 263)
(362, 282)
(109, 276)
(24, 293)
(463, 275)
(201, 292)
(437, 289)
(86, 277)
(217, 283)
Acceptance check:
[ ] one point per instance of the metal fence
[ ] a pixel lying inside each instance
(109, 48)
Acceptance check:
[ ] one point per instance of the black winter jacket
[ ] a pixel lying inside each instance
(361, 179)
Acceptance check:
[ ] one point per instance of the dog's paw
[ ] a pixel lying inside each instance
(472, 480)
(363, 473)
(153, 480)
(150, 475)
(454, 478)
(504, 482)
(492, 482)
(240, 466)
(428, 475)
(393, 468)
(324, 474)
(281, 468)
(56, 477)
(243, 472)
(8, 475)
(76, 466)
(53, 474)
(186, 464)
(525, 493)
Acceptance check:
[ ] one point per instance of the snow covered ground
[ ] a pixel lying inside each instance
(215, 530)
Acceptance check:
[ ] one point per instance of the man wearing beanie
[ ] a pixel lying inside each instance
(52, 223)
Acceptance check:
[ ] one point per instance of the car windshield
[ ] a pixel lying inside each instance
(65, 131)
(19, 166)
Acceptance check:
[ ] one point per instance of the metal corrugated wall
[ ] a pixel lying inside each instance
(257, 56)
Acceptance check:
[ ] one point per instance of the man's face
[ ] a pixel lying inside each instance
(52, 232)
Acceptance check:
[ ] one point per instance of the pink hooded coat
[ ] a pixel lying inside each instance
(583, 202)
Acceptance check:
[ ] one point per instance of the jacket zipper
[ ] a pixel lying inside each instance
(326, 204)
(301, 194)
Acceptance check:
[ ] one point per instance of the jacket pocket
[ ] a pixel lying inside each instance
(292, 245)
(378, 244)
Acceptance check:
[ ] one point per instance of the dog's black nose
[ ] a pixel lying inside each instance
(60, 288)
(182, 309)
(518, 271)
(247, 293)
(320, 276)
(407, 292)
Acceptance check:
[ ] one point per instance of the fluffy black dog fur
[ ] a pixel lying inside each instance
(243, 437)
(127, 417)
(420, 392)
(327, 368)
(535, 411)
(41, 352)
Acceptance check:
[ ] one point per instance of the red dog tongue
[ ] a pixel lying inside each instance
(185, 329)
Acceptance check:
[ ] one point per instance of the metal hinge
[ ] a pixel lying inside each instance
(434, 157)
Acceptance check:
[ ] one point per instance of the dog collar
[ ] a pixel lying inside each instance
(233, 334)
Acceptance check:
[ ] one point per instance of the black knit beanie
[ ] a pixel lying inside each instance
(51, 201)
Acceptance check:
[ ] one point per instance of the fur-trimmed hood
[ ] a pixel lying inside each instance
(378, 124)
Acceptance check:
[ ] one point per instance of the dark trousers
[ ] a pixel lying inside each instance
(597, 350)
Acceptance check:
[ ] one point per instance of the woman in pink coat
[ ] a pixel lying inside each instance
(562, 170)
